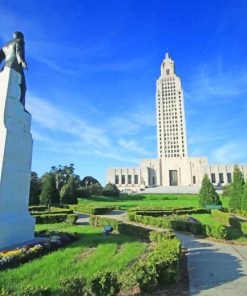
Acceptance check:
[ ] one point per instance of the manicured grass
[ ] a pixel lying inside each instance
(205, 219)
(152, 200)
(93, 252)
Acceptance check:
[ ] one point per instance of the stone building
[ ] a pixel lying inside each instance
(173, 167)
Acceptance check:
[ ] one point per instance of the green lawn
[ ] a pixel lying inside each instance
(152, 200)
(205, 219)
(92, 253)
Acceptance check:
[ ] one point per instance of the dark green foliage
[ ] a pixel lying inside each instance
(137, 231)
(226, 190)
(207, 194)
(239, 224)
(49, 194)
(37, 208)
(68, 192)
(35, 189)
(216, 231)
(111, 190)
(91, 210)
(174, 212)
(244, 198)
(105, 284)
(157, 236)
(102, 221)
(55, 218)
(88, 181)
(52, 211)
(237, 189)
(72, 286)
(160, 267)
(95, 189)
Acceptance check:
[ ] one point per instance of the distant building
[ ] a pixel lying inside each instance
(173, 167)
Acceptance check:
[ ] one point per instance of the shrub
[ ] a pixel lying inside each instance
(49, 194)
(207, 194)
(239, 224)
(137, 231)
(72, 286)
(111, 190)
(216, 231)
(91, 210)
(68, 192)
(169, 213)
(37, 208)
(105, 284)
(237, 189)
(102, 221)
(55, 218)
(53, 211)
(157, 236)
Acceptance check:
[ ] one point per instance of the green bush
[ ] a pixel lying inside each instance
(103, 221)
(157, 236)
(105, 284)
(174, 212)
(72, 286)
(137, 231)
(239, 224)
(37, 208)
(91, 210)
(53, 211)
(216, 231)
(55, 218)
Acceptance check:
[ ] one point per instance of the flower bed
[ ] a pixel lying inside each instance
(56, 240)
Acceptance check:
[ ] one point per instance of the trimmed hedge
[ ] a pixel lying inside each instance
(37, 208)
(91, 210)
(133, 230)
(158, 236)
(159, 268)
(52, 211)
(172, 212)
(157, 208)
(239, 224)
(103, 221)
(216, 231)
(55, 218)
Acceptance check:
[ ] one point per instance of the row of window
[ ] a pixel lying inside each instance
(129, 179)
(221, 178)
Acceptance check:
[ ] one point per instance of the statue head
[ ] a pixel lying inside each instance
(18, 35)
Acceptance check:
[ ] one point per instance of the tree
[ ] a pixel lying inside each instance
(95, 189)
(111, 190)
(237, 189)
(35, 189)
(88, 181)
(49, 194)
(62, 174)
(207, 194)
(244, 198)
(68, 192)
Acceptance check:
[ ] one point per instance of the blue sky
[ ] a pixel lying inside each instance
(93, 66)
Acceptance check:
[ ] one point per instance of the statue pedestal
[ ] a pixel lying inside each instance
(16, 224)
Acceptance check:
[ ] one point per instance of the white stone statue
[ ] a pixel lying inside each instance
(16, 224)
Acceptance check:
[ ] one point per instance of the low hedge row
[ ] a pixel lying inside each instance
(91, 210)
(171, 212)
(103, 221)
(56, 218)
(157, 208)
(136, 231)
(239, 224)
(159, 268)
(158, 236)
(52, 211)
(39, 208)
(215, 231)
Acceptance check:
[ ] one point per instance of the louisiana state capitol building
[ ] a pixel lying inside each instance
(173, 170)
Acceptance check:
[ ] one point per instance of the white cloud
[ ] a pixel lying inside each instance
(132, 146)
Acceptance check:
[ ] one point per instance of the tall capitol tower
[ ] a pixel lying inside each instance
(171, 131)
(173, 171)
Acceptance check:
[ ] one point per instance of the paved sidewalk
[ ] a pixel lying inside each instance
(215, 269)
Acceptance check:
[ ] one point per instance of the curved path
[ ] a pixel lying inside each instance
(215, 269)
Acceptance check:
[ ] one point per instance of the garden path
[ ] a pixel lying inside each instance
(215, 269)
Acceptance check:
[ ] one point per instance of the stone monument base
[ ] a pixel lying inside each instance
(13, 231)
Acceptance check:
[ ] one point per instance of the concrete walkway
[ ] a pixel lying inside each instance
(215, 269)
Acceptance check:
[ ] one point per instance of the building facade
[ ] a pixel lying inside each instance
(173, 167)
